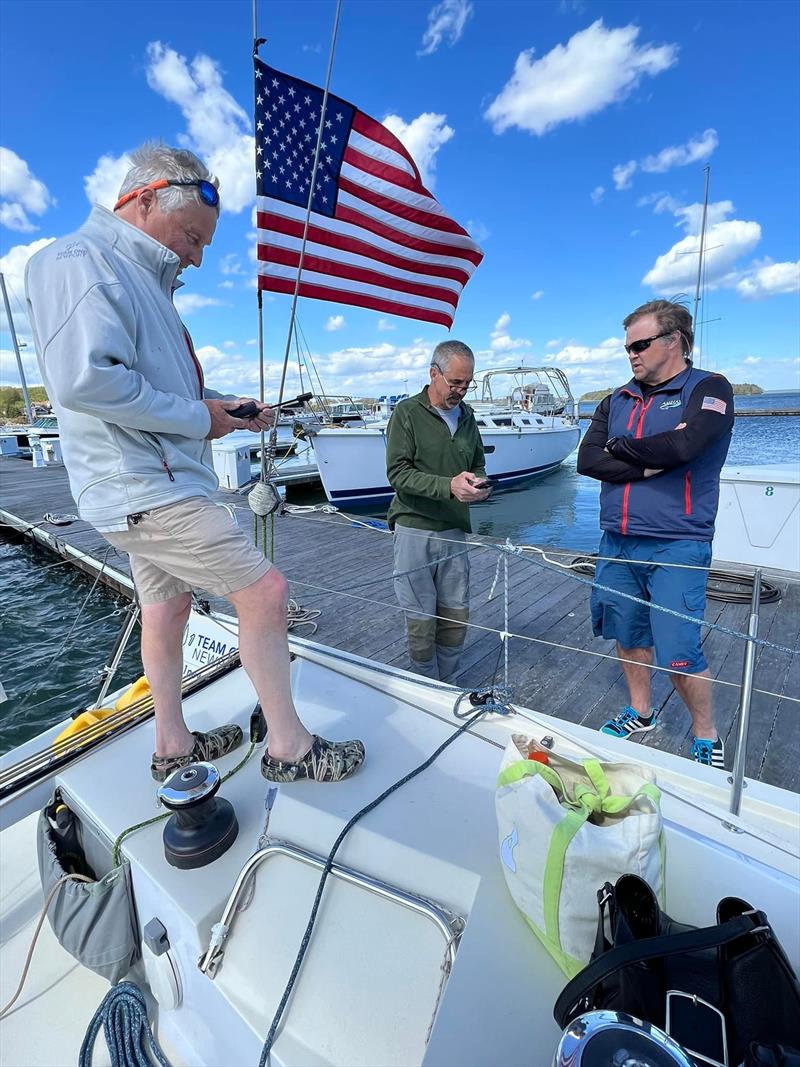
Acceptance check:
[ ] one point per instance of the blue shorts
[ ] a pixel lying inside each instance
(676, 641)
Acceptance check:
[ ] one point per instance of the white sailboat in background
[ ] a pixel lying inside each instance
(528, 428)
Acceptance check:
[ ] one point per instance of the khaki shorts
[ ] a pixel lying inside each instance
(194, 544)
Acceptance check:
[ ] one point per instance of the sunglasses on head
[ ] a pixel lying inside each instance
(208, 192)
(641, 346)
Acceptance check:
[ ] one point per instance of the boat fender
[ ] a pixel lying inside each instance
(82, 721)
(139, 689)
(160, 967)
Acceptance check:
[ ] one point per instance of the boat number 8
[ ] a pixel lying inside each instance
(769, 491)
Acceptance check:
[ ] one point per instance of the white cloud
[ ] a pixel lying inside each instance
(555, 342)
(446, 21)
(592, 366)
(186, 303)
(230, 264)
(573, 355)
(501, 341)
(752, 361)
(770, 279)
(21, 193)
(597, 67)
(229, 344)
(422, 137)
(477, 230)
(384, 325)
(623, 173)
(537, 295)
(231, 373)
(103, 184)
(697, 148)
(12, 267)
(218, 128)
(727, 241)
(597, 194)
(9, 371)
(228, 284)
(335, 322)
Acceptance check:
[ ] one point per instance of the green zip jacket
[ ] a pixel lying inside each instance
(422, 459)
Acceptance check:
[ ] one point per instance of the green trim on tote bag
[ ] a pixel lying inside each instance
(588, 799)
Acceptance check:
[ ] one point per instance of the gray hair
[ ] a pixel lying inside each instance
(446, 351)
(154, 160)
(671, 316)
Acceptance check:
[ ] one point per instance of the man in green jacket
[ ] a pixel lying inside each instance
(435, 464)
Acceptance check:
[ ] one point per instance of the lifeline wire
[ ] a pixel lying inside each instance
(548, 564)
(537, 640)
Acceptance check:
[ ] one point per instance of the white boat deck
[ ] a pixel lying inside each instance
(369, 985)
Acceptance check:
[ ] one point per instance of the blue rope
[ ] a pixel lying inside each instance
(126, 1028)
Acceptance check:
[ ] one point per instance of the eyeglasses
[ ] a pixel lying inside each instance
(206, 190)
(459, 383)
(641, 346)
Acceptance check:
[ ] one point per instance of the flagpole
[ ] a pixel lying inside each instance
(308, 208)
(261, 392)
(700, 262)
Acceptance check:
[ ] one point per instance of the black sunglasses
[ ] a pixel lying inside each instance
(207, 192)
(641, 346)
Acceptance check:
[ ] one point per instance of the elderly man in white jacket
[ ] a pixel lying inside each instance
(136, 421)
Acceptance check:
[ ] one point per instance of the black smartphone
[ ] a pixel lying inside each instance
(487, 484)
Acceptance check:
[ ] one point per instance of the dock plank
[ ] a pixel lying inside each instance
(333, 564)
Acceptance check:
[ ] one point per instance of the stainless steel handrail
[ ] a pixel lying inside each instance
(450, 926)
(748, 670)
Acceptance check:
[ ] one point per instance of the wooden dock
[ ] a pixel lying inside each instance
(556, 666)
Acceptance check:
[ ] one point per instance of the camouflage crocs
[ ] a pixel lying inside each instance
(325, 761)
(207, 747)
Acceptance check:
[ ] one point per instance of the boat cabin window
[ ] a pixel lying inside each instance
(502, 422)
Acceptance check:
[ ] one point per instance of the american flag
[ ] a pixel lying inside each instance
(376, 236)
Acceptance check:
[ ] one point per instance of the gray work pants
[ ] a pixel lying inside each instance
(437, 587)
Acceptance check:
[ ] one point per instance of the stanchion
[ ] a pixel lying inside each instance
(748, 668)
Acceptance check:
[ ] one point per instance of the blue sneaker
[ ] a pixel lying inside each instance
(709, 753)
(629, 722)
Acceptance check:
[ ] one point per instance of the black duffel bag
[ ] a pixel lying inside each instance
(723, 987)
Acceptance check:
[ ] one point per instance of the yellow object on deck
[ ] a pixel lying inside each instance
(86, 719)
(139, 689)
(83, 722)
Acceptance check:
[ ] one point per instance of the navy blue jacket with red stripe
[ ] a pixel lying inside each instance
(681, 502)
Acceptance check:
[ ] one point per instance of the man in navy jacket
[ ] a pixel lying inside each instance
(658, 444)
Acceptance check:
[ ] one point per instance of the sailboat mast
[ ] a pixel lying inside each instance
(15, 342)
(695, 323)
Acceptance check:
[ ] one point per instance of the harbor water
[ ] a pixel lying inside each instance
(40, 598)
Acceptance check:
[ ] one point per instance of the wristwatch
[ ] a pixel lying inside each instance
(610, 443)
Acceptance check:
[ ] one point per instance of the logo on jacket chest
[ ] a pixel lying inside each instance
(665, 405)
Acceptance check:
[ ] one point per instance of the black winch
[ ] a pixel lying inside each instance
(203, 825)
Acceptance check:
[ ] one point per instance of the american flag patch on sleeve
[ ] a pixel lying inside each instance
(713, 403)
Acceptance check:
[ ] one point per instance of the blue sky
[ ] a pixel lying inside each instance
(568, 136)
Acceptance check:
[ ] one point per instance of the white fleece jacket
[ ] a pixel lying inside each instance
(118, 370)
